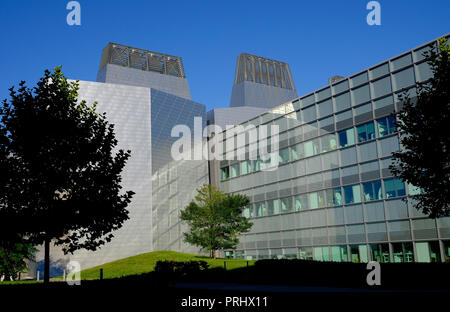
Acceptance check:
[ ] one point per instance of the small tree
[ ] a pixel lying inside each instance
(424, 161)
(215, 219)
(12, 257)
(61, 178)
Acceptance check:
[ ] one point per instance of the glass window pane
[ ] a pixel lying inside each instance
(305, 253)
(366, 132)
(283, 155)
(346, 137)
(273, 207)
(260, 209)
(301, 202)
(328, 143)
(311, 148)
(297, 152)
(224, 173)
(386, 126)
(379, 253)
(234, 170)
(352, 194)
(402, 252)
(372, 190)
(286, 204)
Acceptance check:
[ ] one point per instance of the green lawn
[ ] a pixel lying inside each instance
(146, 263)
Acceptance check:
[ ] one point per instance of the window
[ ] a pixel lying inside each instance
(428, 252)
(260, 209)
(402, 252)
(334, 197)
(372, 190)
(286, 204)
(352, 194)
(301, 202)
(346, 137)
(312, 148)
(394, 187)
(305, 253)
(328, 143)
(339, 253)
(273, 207)
(386, 126)
(283, 155)
(246, 212)
(234, 170)
(246, 167)
(379, 253)
(358, 253)
(224, 173)
(366, 132)
(316, 200)
(256, 164)
(297, 151)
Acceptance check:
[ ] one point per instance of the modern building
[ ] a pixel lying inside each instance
(144, 94)
(333, 197)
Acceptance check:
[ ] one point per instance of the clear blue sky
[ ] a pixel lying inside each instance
(317, 38)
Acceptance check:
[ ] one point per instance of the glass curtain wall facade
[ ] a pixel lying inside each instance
(332, 197)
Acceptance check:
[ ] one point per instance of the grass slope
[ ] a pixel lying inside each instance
(146, 263)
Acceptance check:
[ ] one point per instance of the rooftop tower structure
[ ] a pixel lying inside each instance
(261, 82)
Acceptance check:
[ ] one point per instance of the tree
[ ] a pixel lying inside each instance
(424, 161)
(12, 257)
(61, 177)
(215, 219)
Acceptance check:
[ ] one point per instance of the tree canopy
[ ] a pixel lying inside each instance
(215, 219)
(424, 160)
(61, 171)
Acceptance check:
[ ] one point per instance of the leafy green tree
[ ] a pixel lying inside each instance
(215, 219)
(61, 177)
(13, 254)
(424, 160)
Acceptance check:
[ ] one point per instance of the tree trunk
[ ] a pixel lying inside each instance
(47, 261)
(213, 254)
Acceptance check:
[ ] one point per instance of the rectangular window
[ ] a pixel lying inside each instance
(224, 173)
(334, 197)
(301, 202)
(246, 167)
(339, 253)
(283, 156)
(286, 204)
(346, 137)
(379, 253)
(386, 126)
(246, 212)
(273, 207)
(305, 253)
(256, 165)
(394, 187)
(316, 200)
(312, 148)
(402, 252)
(328, 143)
(366, 132)
(352, 194)
(234, 170)
(372, 190)
(261, 209)
(297, 152)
